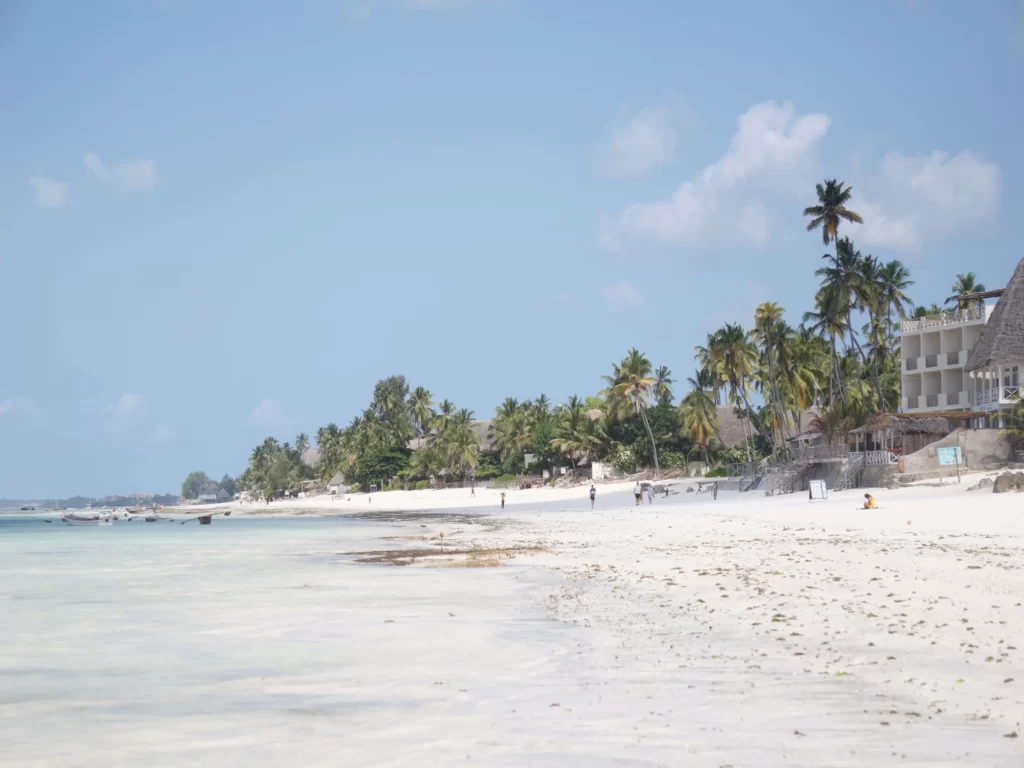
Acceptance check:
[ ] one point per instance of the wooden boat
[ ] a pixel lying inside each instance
(77, 518)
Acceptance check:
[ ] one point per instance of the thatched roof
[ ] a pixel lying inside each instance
(310, 456)
(1002, 340)
(732, 428)
(338, 479)
(906, 425)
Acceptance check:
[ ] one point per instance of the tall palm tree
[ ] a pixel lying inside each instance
(769, 329)
(842, 274)
(697, 424)
(703, 394)
(867, 292)
(964, 286)
(831, 210)
(895, 279)
(634, 383)
(663, 382)
(829, 320)
(734, 356)
(421, 407)
(302, 443)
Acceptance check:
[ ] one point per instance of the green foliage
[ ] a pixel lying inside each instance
(718, 472)
(673, 460)
(421, 485)
(507, 479)
(193, 484)
(355, 488)
(380, 465)
(489, 466)
(624, 460)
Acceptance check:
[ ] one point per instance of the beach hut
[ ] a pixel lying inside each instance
(888, 436)
(208, 495)
(336, 484)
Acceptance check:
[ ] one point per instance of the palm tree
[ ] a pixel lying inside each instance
(734, 356)
(770, 330)
(922, 311)
(575, 433)
(703, 393)
(964, 286)
(842, 276)
(831, 210)
(302, 443)
(698, 423)
(829, 320)
(867, 292)
(421, 409)
(512, 427)
(634, 384)
(663, 382)
(895, 279)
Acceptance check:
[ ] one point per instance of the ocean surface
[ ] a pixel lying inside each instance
(250, 641)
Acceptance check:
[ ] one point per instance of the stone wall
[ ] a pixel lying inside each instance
(979, 448)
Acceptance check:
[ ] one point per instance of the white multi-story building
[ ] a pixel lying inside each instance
(968, 359)
(934, 352)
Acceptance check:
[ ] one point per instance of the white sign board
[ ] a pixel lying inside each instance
(817, 490)
(597, 471)
(949, 456)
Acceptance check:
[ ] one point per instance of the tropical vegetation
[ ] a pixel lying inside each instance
(829, 371)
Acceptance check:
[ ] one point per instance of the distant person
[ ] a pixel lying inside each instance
(593, 496)
(650, 494)
(638, 492)
(472, 491)
(502, 499)
(869, 501)
(714, 490)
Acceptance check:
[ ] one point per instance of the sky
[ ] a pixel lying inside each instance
(223, 221)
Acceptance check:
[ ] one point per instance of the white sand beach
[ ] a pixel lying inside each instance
(747, 631)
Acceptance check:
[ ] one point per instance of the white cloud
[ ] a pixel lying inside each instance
(915, 199)
(127, 403)
(635, 145)
(162, 433)
(125, 413)
(49, 193)
(622, 297)
(131, 175)
(772, 157)
(267, 413)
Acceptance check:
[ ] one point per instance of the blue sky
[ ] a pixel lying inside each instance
(227, 220)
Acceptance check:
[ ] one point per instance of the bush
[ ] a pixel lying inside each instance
(672, 460)
(421, 485)
(354, 488)
(718, 472)
(506, 478)
(624, 460)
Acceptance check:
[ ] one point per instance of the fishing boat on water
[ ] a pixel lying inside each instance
(87, 518)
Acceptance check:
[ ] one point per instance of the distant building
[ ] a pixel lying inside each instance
(336, 484)
(208, 494)
(969, 359)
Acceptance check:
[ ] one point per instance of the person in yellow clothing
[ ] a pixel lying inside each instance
(869, 501)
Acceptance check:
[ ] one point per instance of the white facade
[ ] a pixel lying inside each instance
(933, 352)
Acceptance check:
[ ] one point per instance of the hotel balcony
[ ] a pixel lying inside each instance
(939, 401)
(971, 315)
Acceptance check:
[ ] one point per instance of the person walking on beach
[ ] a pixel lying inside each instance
(472, 491)
(638, 492)
(650, 494)
(502, 499)
(593, 495)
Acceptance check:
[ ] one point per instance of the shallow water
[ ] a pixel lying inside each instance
(246, 641)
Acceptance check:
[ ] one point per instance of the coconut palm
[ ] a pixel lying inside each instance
(421, 405)
(633, 383)
(302, 443)
(894, 281)
(831, 210)
(699, 423)
(770, 331)
(512, 428)
(964, 286)
(829, 320)
(663, 382)
(576, 434)
(734, 357)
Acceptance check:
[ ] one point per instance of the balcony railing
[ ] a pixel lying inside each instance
(996, 394)
(932, 401)
(875, 457)
(931, 361)
(953, 317)
(953, 358)
(911, 363)
(821, 452)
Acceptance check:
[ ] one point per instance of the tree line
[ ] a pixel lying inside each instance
(842, 360)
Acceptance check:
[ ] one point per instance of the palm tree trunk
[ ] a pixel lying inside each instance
(856, 346)
(760, 427)
(654, 448)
